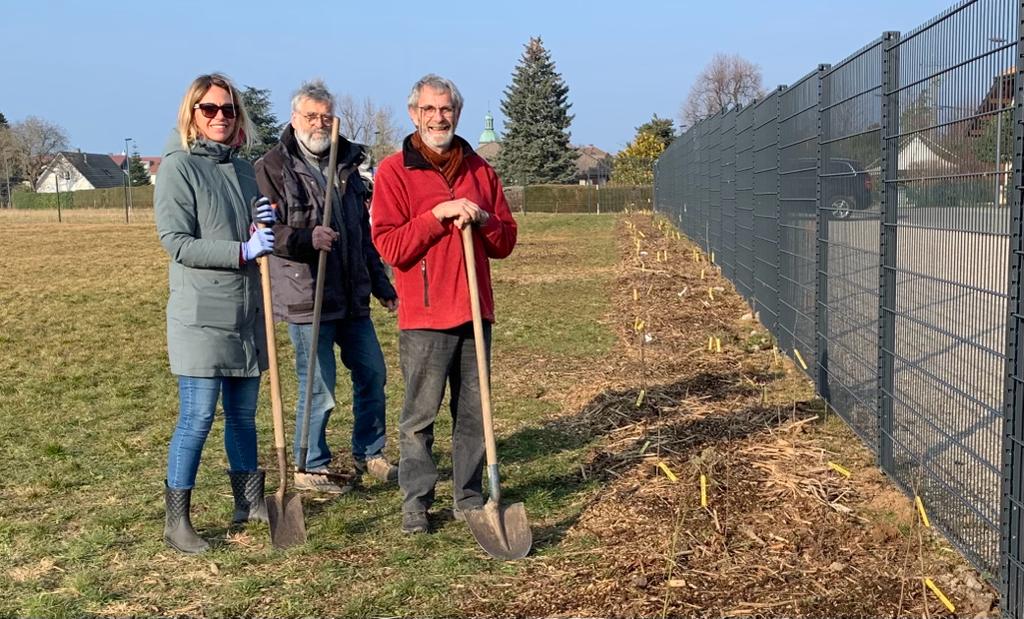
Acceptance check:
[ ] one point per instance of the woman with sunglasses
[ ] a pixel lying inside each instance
(215, 334)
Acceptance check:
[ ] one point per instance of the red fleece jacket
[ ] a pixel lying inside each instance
(427, 255)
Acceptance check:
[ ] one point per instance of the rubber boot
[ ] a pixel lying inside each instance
(178, 531)
(247, 488)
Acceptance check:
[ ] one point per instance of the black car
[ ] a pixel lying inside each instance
(845, 186)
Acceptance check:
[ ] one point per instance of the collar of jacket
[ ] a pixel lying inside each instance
(412, 158)
(221, 153)
(349, 153)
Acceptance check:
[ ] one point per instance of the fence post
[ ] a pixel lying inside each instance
(1011, 582)
(821, 329)
(887, 247)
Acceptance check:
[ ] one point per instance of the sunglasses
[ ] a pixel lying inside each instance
(209, 110)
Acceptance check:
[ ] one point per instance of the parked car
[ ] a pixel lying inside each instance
(845, 186)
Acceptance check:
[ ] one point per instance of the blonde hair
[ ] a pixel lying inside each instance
(244, 134)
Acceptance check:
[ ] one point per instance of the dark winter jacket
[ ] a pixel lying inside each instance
(354, 270)
(430, 270)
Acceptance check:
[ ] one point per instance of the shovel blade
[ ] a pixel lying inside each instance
(501, 530)
(287, 522)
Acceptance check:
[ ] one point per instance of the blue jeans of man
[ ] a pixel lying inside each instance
(197, 404)
(431, 359)
(361, 354)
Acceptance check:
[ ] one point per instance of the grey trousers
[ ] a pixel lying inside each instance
(430, 360)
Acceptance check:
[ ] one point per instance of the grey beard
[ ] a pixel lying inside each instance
(317, 146)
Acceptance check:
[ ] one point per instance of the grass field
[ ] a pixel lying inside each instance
(603, 373)
(89, 406)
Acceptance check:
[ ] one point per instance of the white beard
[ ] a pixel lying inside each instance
(317, 144)
(442, 141)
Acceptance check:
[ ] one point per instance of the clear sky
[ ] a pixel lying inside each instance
(110, 70)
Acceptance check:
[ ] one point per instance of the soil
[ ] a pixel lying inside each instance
(784, 533)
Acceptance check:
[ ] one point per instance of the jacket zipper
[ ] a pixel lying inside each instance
(426, 286)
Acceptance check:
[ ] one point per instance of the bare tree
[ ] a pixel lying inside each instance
(38, 141)
(365, 123)
(727, 81)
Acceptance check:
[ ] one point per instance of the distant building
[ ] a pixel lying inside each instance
(152, 164)
(593, 165)
(77, 171)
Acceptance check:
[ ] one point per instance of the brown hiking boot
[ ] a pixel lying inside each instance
(378, 468)
(317, 480)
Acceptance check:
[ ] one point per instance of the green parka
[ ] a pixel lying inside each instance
(215, 310)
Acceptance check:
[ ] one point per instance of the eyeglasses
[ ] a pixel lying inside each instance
(209, 110)
(430, 110)
(312, 117)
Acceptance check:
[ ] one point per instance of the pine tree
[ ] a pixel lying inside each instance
(137, 171)
(268, 130)
(660, 128)
(536, 148)
(3, 120)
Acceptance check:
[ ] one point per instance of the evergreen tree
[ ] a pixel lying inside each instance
(3, 120)
(137, 171)
(536, 148)
(660, 128)
(268, 130)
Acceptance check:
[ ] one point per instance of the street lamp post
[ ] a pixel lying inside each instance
(128, 179)
(56, 188)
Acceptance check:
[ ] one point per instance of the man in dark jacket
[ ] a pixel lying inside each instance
(294, 175)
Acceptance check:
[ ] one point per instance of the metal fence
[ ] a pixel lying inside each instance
(871, 215)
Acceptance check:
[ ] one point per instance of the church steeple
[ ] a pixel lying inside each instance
(488, 135)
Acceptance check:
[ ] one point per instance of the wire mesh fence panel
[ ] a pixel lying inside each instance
(798, 172)
(950, 229)
(726, 256)
(878, 201)
(714, 180)
(745, 202)
(848, 248)
(766, 210)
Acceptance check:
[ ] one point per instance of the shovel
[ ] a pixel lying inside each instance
(284, 509)
(318, 299)
(502, 531)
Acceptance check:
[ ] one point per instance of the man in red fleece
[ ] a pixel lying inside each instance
(423, 197)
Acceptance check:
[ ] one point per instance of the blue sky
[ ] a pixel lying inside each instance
(105, 71)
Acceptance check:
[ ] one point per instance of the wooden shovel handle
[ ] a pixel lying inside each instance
(481, 351)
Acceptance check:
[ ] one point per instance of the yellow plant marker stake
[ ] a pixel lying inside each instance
(920, 510)
(666, 255)
(640, 397)
(800, 358)
(939, 594)
(668, 472)
(775, 354)
(839, 469)
(711, 295)
(636, 294)
(711, 343)
(702, 273)
(718, 345)
(712, 257)
(703, 490)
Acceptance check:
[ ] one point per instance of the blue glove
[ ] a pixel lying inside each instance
(265, 211)
(259, 244)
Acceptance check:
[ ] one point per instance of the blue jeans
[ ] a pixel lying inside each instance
(361, 354)
(432, 360)
(197, 399)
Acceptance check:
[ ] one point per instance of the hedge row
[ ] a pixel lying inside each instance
(578, 198)
(142, 197)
